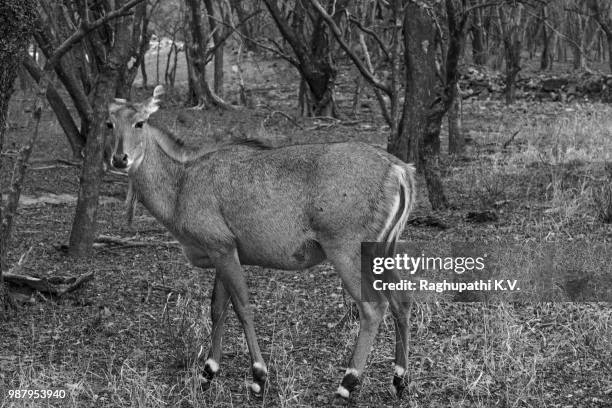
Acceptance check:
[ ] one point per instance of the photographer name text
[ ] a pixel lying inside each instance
(443, 286)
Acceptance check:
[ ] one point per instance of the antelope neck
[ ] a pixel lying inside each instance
(158, 178)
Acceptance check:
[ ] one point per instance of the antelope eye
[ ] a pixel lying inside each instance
(109, 124)
(139, 124)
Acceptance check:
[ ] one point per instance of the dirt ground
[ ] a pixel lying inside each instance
(131, 336)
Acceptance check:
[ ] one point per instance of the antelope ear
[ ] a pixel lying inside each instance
(153, 104)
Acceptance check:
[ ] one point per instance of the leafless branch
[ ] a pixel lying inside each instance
(379, 97)
(483, 5)
(85, 28)
(559, 33)
(369, 76)
(366, 30)
(228, 34)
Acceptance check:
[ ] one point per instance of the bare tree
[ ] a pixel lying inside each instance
(427, 93)
(16, 26)
(102, 34)
(510, 19)
(601, 11)
(310, 42)
(197, 56)
(246, 30)
(457, 18)
(479, 43)
(138, 44)
(218, 33)
(63, 115)
(547, 37)
(415, 140)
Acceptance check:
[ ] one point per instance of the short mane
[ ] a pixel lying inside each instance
(177, 140)
(176, 148)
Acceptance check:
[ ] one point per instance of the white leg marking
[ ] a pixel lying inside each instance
(212, 365)
(352, 371)
(260, 366)
(399, 371)
(255, 388)
(343, 392)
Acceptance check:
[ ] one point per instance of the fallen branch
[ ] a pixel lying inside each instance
(70, 162)
(104, 240)
(50, 167)
(56, 285)
(283, 114)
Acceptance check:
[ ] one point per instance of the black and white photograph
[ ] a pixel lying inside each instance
(306, 203)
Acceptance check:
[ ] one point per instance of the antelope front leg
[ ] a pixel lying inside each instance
(231, 274)
(219, 304)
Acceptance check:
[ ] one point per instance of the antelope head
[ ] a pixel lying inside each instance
(125, 148)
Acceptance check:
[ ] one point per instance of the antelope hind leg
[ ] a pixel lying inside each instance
(370, 317)
(401, 319)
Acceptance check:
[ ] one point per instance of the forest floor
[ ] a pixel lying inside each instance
(131, 336)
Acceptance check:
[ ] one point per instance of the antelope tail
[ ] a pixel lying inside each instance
(402, 206)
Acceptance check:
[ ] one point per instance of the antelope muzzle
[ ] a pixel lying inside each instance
(119, 160)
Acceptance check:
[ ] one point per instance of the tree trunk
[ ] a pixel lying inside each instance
(578, 58)
(609, 38)
(218, 33)
(479, 54)
(137, 46)
(157, 61)
(409, 143)
(456, 140)
(604, 20)
(196, 47)
(513, 66)
(192, 94)
(313, 57)
(143, 73)
(218, 78)
(457, 24)
(16, 25)
(76, 91)
(246, 28)
(511, 27)
(173, 70)
(83, 230)
(545, 60)
(173, 50)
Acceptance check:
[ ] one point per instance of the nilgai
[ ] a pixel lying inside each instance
(288, 208)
